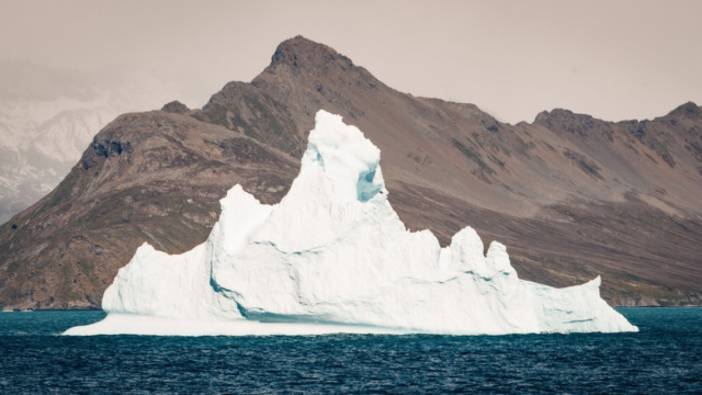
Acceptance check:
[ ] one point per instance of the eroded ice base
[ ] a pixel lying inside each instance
(130, 324)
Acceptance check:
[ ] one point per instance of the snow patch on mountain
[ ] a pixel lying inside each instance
(333, 256)
(47, 118)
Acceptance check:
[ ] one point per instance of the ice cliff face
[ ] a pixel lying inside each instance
(333, 256)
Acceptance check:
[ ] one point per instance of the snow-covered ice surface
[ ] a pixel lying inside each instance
(333, 256)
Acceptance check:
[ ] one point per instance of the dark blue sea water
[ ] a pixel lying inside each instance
(665, 357)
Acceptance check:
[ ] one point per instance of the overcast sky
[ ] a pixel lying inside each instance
(612, 59)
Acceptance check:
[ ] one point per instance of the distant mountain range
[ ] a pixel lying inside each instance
(570, 195)
(47, 118)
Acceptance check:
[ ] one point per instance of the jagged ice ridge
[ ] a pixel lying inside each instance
(333, 256)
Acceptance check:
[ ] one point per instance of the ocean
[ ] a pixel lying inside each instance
(664, 357)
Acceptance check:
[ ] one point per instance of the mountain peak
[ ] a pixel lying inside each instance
(175, 107)
(299, 52)
(686, 109)
(560, 115)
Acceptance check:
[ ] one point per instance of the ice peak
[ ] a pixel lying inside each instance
(346, 159)
(339, 143)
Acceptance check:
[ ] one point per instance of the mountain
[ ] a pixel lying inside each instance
(571, 196)
(47, 118)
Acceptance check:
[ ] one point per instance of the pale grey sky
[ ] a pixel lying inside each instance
(612, 59)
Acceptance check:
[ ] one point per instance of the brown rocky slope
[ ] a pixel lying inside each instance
(570, 195)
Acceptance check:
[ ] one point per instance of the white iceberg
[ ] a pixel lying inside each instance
(333, 256)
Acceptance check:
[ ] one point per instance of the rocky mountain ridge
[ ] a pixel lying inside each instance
(570, 195)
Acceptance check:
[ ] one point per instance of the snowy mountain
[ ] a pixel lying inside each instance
(37, 153)
(47, 118)
(334, 252)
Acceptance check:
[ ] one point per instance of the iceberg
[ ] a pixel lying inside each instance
(334, 257)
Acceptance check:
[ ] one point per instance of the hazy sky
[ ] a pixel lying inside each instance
(613, 59)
